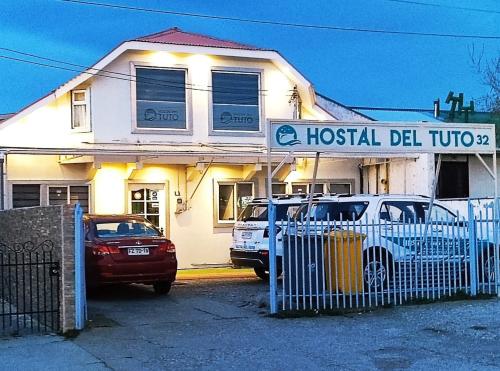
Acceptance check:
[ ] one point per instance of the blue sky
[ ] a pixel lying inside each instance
(359, 69)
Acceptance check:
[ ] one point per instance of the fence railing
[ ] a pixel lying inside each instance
(356, 262)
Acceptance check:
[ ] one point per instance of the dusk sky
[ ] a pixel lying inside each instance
(354, 68)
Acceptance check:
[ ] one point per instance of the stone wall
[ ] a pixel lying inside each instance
(30, 238)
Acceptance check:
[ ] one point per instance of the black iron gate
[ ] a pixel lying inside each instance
(29, 288)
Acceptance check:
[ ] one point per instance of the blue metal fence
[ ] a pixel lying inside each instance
(337, 264)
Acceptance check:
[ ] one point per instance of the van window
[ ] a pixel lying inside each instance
(258, 213)
(399, 211)
(345, 211)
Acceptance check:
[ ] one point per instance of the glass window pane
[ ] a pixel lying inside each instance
(161, 98)
(58, 195)
(398, 211)
(299, 188)
(25, 195)
(318, 187)
(226, 202)
(235, 99)
(80, 194)
(279, 188)
(340, 188)
(235, 88)
(245, 195)
(138, 208)
(79, 115)
(79, 96)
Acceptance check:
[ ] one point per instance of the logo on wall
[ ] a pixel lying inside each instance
(151, 114)
(287, 136)
(235, 118)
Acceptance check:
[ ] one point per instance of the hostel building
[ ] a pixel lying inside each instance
(172, 126)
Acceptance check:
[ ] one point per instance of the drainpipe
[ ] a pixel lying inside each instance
(2, 188)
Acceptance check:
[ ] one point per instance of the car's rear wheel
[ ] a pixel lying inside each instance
(263, 274)
(376, 271)
(162, 287)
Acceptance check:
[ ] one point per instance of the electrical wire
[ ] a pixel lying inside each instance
(277, 23)
(142, 79)
(121, 78)
(446, 6)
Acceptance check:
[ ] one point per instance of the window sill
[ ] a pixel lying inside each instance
(81, 130)
(162, 131)
(235, 133)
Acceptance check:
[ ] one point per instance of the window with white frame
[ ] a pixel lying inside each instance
(235, 101)
(80, 109)
(231, 199)
(160, 98)
(69, 195)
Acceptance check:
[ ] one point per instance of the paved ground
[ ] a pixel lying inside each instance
(217, 324)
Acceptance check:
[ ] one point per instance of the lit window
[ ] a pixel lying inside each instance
(235, 99)
(80, 110)
(161, 98)
(232, 198)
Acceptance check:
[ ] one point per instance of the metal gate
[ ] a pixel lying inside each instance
(29, 289)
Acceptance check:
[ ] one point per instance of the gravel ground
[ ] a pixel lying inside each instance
(222, 324)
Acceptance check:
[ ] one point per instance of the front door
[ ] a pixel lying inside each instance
(149, 201)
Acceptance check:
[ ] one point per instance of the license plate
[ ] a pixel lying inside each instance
(138, 251)
(246, 235)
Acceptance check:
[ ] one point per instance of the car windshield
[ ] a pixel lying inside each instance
(258, 213)
(125, 228)
(345, 211)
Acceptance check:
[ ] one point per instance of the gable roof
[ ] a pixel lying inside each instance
(178, 37)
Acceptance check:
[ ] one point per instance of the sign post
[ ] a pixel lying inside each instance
(371, 139)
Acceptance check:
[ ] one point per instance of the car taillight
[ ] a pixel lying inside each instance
(167, 247)
(266, 231)
(101, 250)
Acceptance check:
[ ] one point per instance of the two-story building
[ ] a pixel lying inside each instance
(172, 126)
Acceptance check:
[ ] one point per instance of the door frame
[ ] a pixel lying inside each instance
(145, 183)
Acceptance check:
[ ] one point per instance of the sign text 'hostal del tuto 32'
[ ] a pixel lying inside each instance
(381, 137)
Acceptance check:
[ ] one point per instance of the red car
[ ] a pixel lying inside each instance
(128, 249)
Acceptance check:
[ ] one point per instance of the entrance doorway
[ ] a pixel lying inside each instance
(149, 201)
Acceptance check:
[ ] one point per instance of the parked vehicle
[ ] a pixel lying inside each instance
(394, 229)
(128, 249)
(250, 247)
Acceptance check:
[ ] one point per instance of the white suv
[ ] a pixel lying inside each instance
(394, 228)
(250, 247)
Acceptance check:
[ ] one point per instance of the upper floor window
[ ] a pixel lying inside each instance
(80, 110)
(161, 98)
(235, 100)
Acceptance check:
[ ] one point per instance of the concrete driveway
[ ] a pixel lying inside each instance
(217, 324)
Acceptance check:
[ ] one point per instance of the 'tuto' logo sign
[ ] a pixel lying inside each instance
(287, 136)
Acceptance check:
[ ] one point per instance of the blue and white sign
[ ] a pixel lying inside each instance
(381, 137)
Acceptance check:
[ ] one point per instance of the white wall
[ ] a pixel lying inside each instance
(112, 103)
(406, 175)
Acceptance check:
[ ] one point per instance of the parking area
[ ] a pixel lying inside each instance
(221, 324)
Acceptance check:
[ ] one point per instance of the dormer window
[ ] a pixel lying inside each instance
(80, 110)
(160, 98)
(235, 102)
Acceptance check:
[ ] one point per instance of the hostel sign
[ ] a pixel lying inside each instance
(381, 137)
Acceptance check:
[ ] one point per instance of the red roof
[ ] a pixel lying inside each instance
(177, 36)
